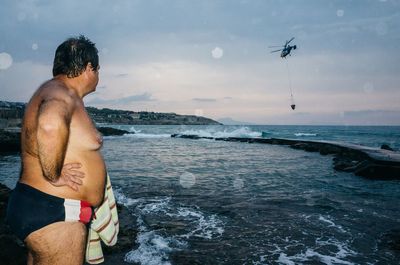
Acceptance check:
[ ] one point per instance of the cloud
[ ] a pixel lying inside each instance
(121, 101)
(204, 99)
(121, 75)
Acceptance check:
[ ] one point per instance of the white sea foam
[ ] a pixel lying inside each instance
(122, 199)
(305, 134)
(132, 129)
(215, 133)
(326, 259)
(148, 135)
(156, 205)
(312, 254)
(154, 248)
(331, 223)
(284, 259)
(207, 227)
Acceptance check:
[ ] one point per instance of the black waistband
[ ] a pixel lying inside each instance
(35, 193)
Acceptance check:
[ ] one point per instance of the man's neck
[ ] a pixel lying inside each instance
(75, 84)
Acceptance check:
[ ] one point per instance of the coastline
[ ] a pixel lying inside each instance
(10, 139)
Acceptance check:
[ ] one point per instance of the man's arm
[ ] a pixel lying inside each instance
(54, 118)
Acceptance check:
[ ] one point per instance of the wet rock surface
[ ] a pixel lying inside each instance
(10, 141)
(108, 131)
(12, 251)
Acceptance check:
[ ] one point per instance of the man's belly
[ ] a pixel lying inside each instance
(92, 188)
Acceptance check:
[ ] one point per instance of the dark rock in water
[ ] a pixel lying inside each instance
(341, 163)
(108, 131)
(127, 233)
(386, 147)
(186, 136)
(12, 250)
(390, 241)
(10, 142)
(329, 149)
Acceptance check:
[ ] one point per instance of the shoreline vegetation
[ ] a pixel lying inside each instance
(11, 114)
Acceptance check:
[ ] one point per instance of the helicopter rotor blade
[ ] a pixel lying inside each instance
(276, 46)
(290, 40)
(277, 51)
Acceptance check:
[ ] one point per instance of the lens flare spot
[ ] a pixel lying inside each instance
(5, 61)
(187, 180)
(340, 13)
(217, 53)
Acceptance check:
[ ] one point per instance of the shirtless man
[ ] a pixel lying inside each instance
(63, 172)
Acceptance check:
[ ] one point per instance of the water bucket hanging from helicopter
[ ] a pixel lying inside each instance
(285, 51)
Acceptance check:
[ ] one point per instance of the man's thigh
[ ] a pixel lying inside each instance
(58, 243)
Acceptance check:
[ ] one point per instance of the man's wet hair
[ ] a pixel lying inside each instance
(73, 55)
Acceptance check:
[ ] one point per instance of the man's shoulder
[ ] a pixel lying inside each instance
(56, 90)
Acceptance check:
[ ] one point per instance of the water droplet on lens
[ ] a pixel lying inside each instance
(217, 53)
(35, 46)
(238, 183)
(187, 180)
(104, 51)
(198, 112)
(381, 28)
(5, 61)
(340, 12)
(368, 87)
(21, 16)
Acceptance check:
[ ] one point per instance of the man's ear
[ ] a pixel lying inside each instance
(88, 67)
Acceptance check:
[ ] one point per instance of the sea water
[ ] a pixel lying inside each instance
(215, 202)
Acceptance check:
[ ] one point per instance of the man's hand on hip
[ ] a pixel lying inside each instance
(70, 176)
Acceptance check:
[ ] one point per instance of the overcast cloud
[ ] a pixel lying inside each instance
(212, 57)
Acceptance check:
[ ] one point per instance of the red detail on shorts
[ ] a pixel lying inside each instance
(86, 212)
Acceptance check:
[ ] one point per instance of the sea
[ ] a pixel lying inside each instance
(215, 202)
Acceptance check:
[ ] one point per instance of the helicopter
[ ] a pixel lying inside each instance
(286, 48)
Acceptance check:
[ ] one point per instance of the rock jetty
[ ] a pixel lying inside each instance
(373, 163)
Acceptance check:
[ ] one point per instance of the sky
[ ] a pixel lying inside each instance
(212, 58)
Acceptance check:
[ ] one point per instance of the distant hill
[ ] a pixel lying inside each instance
(230, 121)
(112, 116)
(11, 114)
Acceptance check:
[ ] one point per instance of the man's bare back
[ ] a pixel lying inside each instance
(51, 101)
(63, 172)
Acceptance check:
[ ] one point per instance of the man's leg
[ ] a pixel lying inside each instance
(61, 243)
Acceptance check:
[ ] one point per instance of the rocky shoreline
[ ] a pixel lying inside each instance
(13, 251)
(373, 163)
(10, 140)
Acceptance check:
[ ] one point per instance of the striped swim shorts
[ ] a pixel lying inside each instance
(30, 209)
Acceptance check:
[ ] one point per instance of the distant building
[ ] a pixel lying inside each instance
(135, 116)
